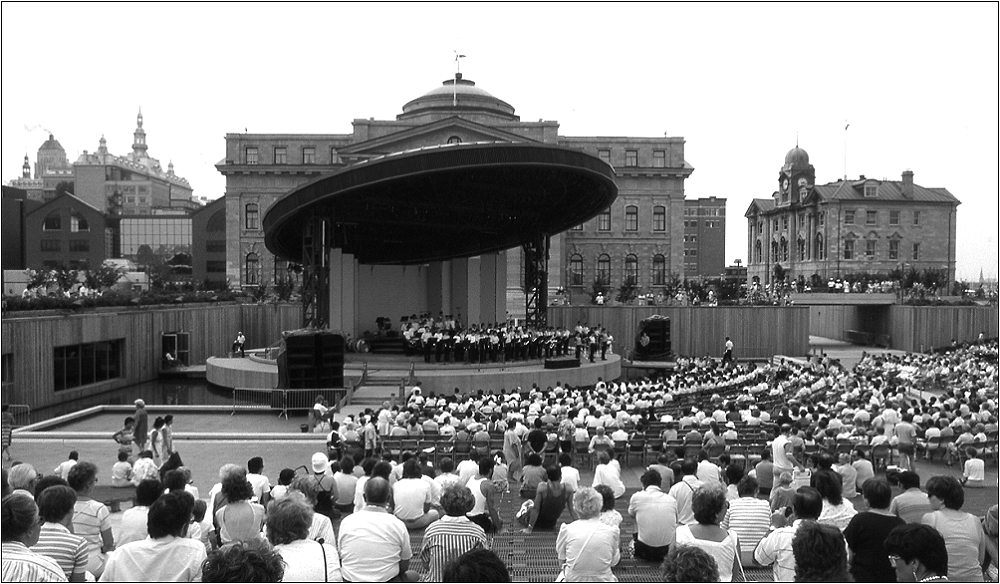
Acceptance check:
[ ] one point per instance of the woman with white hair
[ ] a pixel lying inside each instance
(587, 548)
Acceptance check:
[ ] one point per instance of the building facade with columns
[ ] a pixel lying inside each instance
(848, 227)
(641, 232)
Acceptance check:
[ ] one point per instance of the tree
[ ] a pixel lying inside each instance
(40, 279)
(779, 273)
(627, 292)
(64, 187)
(66, 278)
(284, 288)
(104, 277)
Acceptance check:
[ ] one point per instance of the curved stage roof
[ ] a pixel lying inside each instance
(447, 201)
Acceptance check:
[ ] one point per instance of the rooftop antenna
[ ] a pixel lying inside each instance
(846, 125)
(458, 75)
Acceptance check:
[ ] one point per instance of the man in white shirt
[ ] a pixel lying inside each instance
(781, 453)
(655, 515)
(683, 490)
(374, 544)
(776, 548)
(166, 555)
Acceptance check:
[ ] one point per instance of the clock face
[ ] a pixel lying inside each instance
(784, 185)
(803, 181)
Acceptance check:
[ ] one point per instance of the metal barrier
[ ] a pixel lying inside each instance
(282, 400)
(21, 413)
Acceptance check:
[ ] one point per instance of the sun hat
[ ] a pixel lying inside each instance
(320, 462)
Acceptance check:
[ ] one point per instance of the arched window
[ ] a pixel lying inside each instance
(454, 140)
(801, 245)
(774, 251)
(252, 216)
(252, 277)
(52, 222)
(784, 249)
(659, 218)
(631, 270)
(631, 218)
(604, 268)
(659, 270)
(576, 270)
(217, 222)
(757, 252)
(819, 247)
(78, 222)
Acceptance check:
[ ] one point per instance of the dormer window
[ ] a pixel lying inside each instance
(454, 140)
(871, 191)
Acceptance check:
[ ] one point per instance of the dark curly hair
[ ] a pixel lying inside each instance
(253, 560)
(687, 563)
(81, 476)
(921, 542)
(236, 488)
(707, 503)
(820, 553)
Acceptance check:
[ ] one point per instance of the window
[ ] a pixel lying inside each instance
(77, 365)
(52, 222)
(849, 249)
(712, 223)
(334, 157)
(848, 217)
(659, 159)
(819, 246)
(660, 218)
(893, 249)
(784, 249)
(252, 216)
(576, 270)
(691, 253)
(775, 224)
(660, 270)
(893, 217)
(631, 218)
(870, 249)
(774, 250)
(604, 268)
(631, 158)
(916, 251)
(215, 246)
(871, 191)
(251, 155)
(577, 227)
(78, 223)
(604, 221)
(871, 217)
(281, 155)
(308, 155)
(800, 245)
(50, 245)
(604, 155)
(691, 238)
(631, 270)
(252, 270)
(215, 266)
(757, 252)
(79, 245)
(691, 223)
(822, 219)
(784, 222)
(916, 217)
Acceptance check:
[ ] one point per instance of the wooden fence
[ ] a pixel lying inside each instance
(29, 342)
(757, 332)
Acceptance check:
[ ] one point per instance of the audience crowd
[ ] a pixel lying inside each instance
(752, 465)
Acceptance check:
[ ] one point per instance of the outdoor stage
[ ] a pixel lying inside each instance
(390, 369)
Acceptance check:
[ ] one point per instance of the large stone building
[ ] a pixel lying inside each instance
(848, 226)
(638, 238)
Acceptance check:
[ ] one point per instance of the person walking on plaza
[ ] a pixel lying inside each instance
(140, 431)
(727, 355)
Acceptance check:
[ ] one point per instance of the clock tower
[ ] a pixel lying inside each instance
(796, 177)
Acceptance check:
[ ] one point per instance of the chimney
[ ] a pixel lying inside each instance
(908, 184)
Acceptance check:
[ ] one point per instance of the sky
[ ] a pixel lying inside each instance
(741, 83)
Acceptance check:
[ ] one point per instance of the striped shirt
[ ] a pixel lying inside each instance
(750, 518)
(23, 565)
(445, 540)
(66, 549)
(90, 518)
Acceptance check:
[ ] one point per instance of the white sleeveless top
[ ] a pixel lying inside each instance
(476, 486)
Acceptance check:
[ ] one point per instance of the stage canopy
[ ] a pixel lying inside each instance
(444, 202)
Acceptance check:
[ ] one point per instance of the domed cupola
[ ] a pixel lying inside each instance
(796, 159)
(458, 96)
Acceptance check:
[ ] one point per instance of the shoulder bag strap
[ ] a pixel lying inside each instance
(326, 574)
(584, 548)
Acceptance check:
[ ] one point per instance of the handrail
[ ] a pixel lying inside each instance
(349, 396)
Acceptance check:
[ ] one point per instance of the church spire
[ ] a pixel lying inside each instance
(139, 141)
